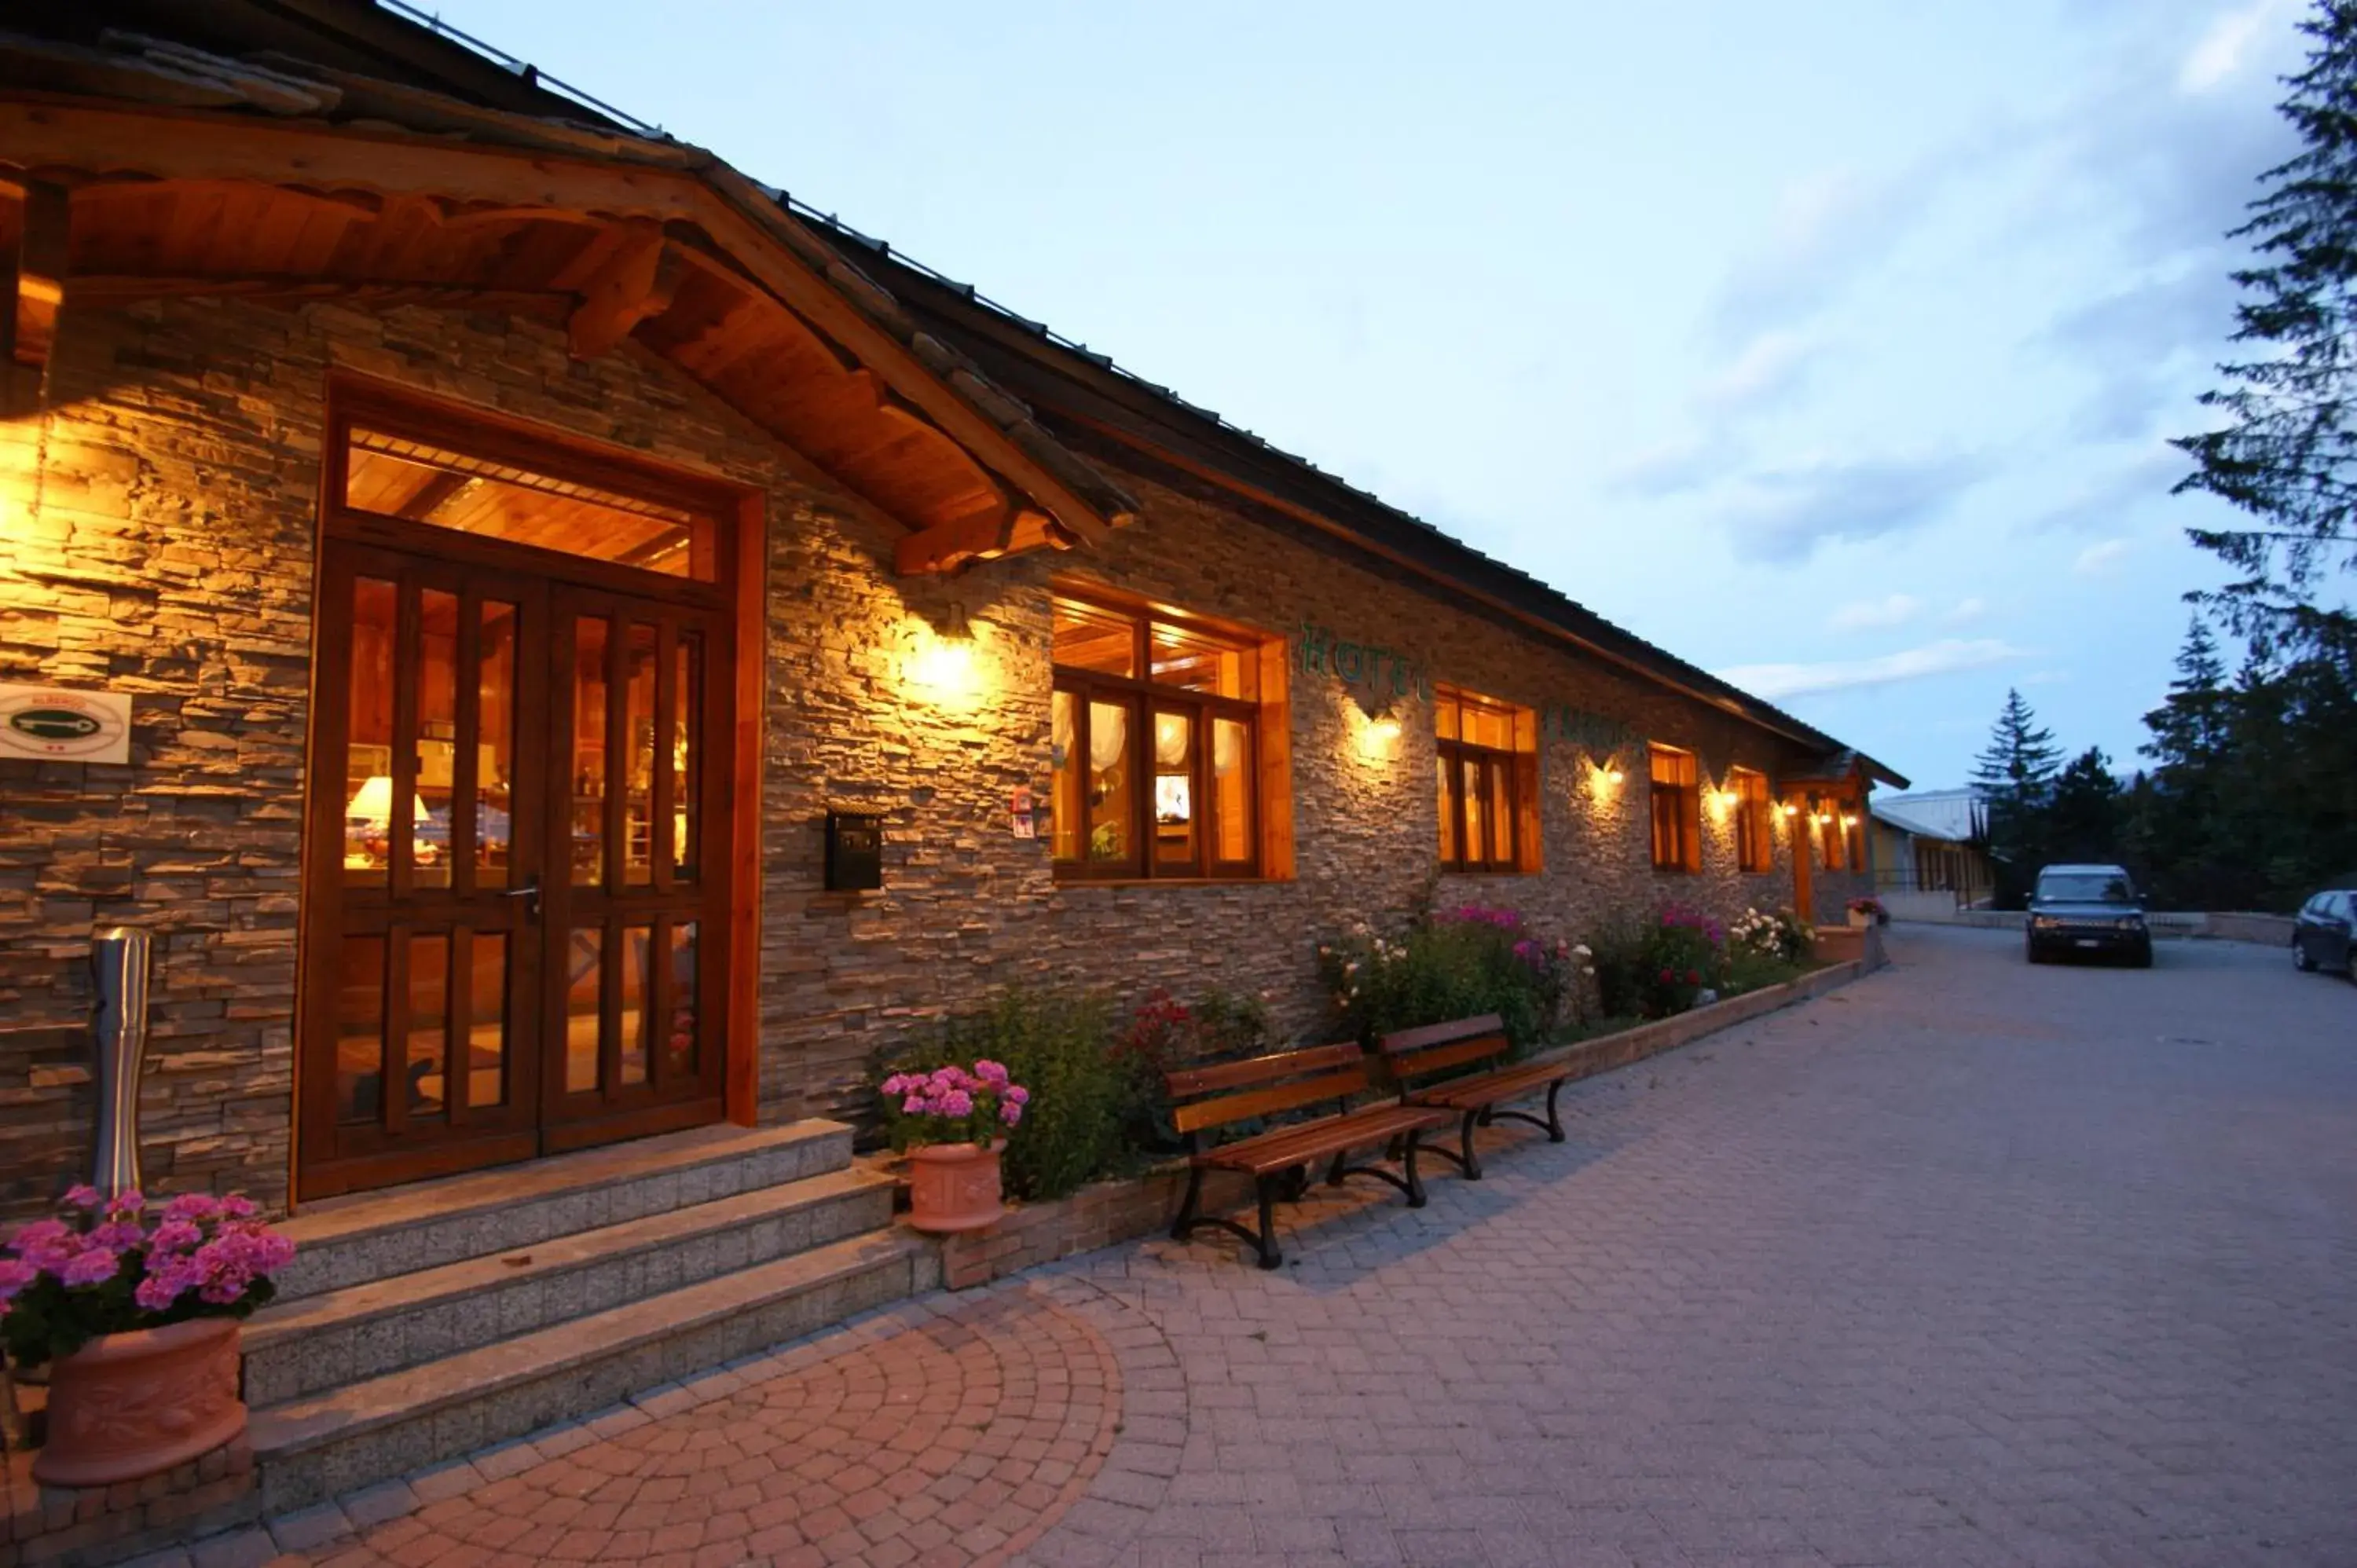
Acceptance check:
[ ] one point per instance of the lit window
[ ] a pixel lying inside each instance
(1156, 726)
(1486, 779)
(1755, 848)
(1677, 811)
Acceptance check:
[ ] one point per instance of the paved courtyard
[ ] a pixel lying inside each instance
(1966, 1263)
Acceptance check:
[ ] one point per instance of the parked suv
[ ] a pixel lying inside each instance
(2091, 910)
(2320, 937)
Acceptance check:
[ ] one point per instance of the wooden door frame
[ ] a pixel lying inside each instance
(739, 593)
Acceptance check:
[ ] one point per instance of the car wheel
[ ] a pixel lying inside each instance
(2142, 957)
(2300, 958)
(2029, 951)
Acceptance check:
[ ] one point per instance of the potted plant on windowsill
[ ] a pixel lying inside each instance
(138, 1306)
(950, 1119)
(1867, 911)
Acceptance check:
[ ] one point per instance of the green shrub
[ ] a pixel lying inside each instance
(1458, 963)
(1057, 1045)
(1163, 1034)
(1654, 968)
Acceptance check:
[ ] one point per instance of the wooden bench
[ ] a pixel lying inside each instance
(1207, 1098)
(1475, 1095)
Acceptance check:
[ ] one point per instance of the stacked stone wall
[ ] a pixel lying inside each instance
(159, 539)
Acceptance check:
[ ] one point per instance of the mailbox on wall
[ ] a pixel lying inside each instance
(855, 851)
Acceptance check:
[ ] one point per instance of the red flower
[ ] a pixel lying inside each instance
(1667, 977)
(1694, 977)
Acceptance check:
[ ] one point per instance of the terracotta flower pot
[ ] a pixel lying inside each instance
(953, 1186)
(127, 1405)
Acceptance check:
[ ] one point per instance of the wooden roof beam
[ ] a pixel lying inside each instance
(635, 282)
(952, 547)
(37, 274)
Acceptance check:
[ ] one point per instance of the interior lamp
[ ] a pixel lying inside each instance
(373, 804)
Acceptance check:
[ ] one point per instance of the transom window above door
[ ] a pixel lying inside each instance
(399, 477)
(1168, 745)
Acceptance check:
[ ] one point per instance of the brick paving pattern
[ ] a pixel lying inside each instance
(940, 1435)
(1968, 1263)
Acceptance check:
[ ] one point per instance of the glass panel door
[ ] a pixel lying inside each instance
(422, 947)
(632, 996)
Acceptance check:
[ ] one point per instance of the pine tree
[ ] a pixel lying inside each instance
(2021, 760)
(2082, 816)
(2189, 728)
(2288, 454)
(2015, 777)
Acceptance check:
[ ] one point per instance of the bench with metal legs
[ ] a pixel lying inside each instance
(1207, 1099)
(1475, 1094)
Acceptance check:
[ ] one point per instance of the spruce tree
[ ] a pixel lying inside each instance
(2287, 455)
(2014, 776)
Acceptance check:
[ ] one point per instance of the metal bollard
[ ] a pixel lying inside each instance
(119, 957)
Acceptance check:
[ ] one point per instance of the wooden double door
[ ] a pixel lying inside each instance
(515, 906)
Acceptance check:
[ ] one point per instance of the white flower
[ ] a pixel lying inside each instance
(1582, 950)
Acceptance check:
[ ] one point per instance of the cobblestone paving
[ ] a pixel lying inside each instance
(1966, 1263)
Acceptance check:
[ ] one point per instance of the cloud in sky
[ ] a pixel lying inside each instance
(1768, 365)
(1941, 658)
(1830, 227)
(2100, 557)
(2103, 503)
(1876, 615)
(1793, 510)
(2226, 47)
(1965, 612)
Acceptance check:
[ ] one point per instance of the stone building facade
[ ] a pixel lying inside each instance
(201, 289)
(161, 522)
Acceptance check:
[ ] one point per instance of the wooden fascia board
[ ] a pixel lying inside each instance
(39, 133)
(774, 266)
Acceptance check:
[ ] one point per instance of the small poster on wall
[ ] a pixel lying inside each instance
(1025, 827)
(57, 725)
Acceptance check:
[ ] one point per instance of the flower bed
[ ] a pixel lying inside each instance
(1107, 1212)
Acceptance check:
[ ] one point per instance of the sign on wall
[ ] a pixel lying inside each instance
(57, 725)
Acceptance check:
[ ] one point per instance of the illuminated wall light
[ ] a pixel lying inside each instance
(944, 666)
(1378, 727)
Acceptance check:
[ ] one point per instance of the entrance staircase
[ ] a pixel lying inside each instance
(417, 1324)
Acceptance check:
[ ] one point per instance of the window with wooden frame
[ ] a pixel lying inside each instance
(1486, 774)
(1677, 810)
(1169, 737)
(1755, 845)
(1833, 839)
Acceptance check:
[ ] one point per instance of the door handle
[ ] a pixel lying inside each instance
(529, 894)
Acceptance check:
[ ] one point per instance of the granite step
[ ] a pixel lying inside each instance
(319, 1446)
(317, 1342)
(346, 1241)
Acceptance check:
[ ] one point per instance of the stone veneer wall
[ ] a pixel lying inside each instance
(158, 538)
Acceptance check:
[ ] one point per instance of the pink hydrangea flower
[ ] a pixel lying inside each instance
(15, 1275)
(991, 1072)
(174, 1236)
(81, 1195)
(237, 1206)
(196, 1206)
(1016, 1094)
(125, 1203)
(94, 1266)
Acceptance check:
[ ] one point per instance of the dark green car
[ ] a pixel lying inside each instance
(2087, 911)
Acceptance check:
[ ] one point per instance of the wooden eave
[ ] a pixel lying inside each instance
(673, 249)
(1087, 398)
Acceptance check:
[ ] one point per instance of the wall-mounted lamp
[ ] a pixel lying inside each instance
(943, 664)
(1379, 736)
(1848, 820)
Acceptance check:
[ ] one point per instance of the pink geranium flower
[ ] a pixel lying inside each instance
(93, 1266)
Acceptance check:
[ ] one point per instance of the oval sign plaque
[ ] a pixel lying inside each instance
(63, 726)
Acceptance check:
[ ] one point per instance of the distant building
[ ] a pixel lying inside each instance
(1932, 843)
